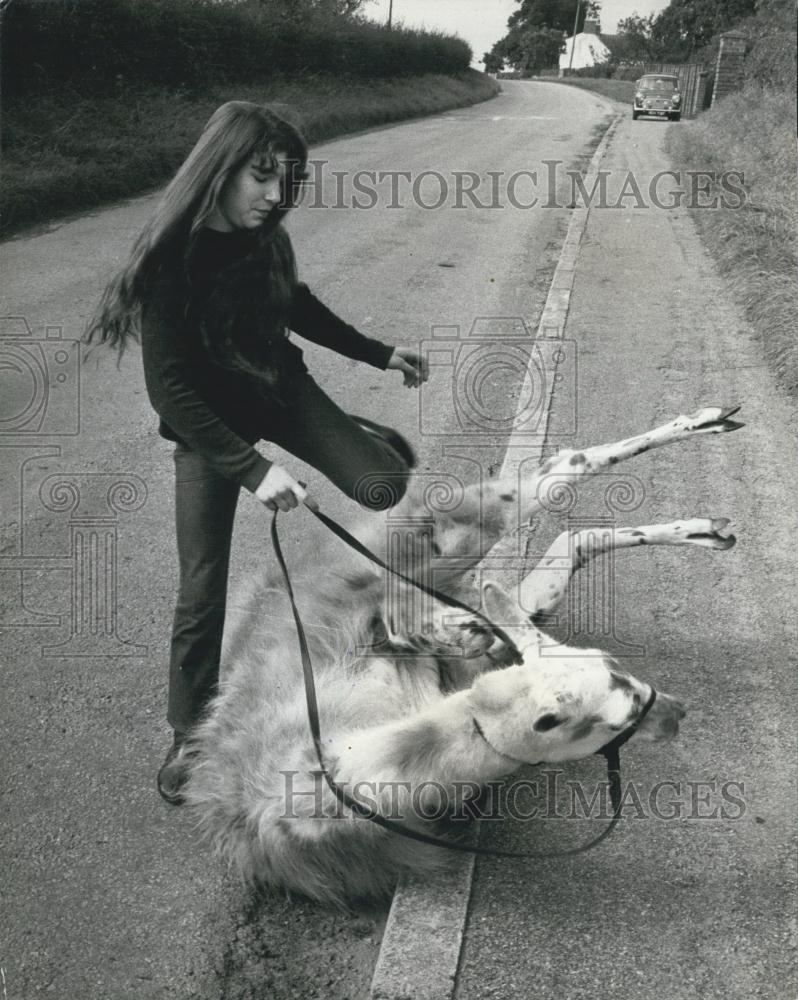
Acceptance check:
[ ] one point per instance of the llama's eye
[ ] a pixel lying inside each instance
(546, 722)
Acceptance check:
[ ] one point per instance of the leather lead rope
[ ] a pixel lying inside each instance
(610, 751)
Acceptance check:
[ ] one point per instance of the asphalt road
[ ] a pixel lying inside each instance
(106, 894)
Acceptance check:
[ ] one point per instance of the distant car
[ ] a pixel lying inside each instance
(657, 94)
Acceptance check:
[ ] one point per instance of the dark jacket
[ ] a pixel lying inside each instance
(216, 411)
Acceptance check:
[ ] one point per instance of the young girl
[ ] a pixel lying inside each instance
(212, 290)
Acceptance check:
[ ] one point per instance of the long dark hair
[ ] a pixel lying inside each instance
(235, 132)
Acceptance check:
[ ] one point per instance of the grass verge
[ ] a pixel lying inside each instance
(64, 152)
(755, 246)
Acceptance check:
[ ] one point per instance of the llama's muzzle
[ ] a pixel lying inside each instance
(662, 722)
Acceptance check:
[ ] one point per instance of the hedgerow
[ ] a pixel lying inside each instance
(93, 45)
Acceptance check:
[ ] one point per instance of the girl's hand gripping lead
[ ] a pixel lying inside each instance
(278, 490)
(411, 364)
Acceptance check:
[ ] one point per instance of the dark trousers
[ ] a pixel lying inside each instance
(313, 428)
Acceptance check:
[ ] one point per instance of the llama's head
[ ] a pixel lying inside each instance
(560, 703)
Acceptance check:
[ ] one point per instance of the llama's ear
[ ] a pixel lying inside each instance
(499, 606)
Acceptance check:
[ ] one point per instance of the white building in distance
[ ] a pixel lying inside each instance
(588, 49)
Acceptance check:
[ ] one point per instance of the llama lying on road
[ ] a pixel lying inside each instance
(433, 703)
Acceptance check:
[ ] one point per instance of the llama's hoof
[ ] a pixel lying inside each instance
(714, 420)
(173, 773)
(707, 532)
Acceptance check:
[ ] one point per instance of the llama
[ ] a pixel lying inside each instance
(407, 705)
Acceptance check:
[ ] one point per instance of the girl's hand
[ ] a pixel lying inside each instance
(411, 364)
(278, 490)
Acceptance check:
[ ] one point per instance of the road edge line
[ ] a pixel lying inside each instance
(552, 322)
(419, 956)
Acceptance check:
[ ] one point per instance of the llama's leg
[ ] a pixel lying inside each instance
(543, 588)
(500, 499)
(491, 510)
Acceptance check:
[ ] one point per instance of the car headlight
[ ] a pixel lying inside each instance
(638, 96)
(676, 98)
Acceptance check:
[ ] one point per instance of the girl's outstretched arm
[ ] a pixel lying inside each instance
(312, 320)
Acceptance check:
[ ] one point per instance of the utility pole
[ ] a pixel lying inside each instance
(573, 39)
(390, 13)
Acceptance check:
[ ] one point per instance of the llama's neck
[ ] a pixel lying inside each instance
(439, 745)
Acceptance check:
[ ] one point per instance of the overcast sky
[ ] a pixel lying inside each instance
(482, 22)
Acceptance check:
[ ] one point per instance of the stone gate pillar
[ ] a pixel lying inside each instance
(729, 69)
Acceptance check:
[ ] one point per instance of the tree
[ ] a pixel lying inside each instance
(688, 25)
(540, 50)
(530, 50)
(557, 14)
(635, 38)
(494, 63)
